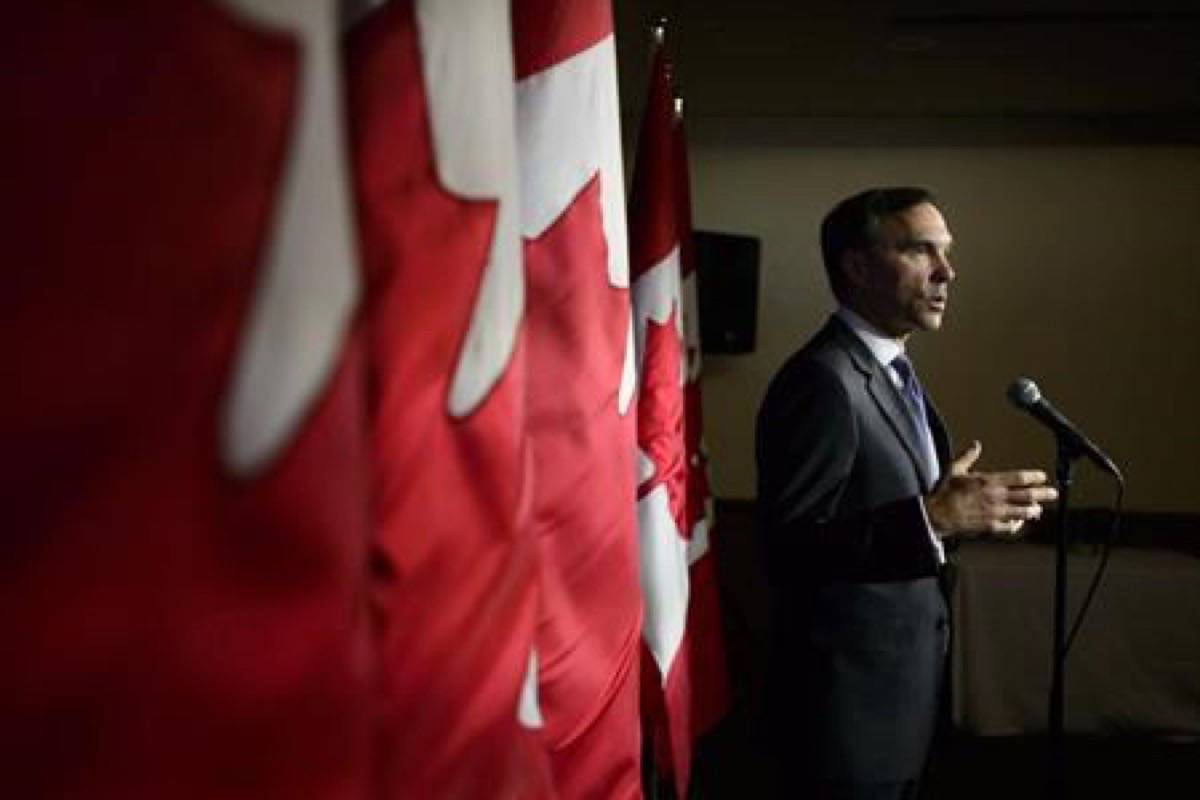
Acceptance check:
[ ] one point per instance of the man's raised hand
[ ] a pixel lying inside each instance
(986, 502)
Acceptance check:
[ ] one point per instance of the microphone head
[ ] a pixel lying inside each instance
(1023, 393)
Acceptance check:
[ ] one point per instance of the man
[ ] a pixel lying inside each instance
(856, 495)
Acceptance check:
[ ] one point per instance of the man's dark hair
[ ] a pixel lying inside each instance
(854, 224)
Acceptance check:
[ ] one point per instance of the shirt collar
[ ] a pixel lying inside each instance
(882, 346)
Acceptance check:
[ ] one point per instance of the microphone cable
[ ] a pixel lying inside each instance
(1101, 568)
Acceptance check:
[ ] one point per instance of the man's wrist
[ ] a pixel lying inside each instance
(939, 521)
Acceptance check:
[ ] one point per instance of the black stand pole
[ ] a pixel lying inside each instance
(1064, 474)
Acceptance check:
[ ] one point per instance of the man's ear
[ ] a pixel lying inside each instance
(855, 268)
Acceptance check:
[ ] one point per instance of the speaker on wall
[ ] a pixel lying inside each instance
(727, 284)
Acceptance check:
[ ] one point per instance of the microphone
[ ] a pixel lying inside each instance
(1023, 393)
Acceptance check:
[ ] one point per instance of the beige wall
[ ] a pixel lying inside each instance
(1077, 267)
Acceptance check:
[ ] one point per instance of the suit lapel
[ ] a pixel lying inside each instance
(887, 398)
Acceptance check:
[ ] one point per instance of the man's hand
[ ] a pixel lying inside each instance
(986, 502)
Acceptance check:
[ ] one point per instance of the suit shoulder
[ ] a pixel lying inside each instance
(814, 375)
(822, 363)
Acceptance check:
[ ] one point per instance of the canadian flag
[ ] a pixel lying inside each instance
(710, 676)
(662, 465)
(581, 385)
(431, 97)
(184, 472)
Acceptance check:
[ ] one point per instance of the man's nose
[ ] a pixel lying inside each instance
(943, 270)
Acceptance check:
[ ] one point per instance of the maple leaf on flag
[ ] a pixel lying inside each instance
(184, 540)
(455, 591)
(583, 509)
(655, 250)
(661, 413)
(710, 680)
(581, 385)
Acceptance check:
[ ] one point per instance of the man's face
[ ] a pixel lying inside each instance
(901, 284)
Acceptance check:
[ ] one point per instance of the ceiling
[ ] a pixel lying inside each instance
(919, 71)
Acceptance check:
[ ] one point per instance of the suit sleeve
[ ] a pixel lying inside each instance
(808, 440)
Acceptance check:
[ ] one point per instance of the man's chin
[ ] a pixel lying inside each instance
(930, 320)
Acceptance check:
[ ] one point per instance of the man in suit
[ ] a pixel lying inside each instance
(856, 494)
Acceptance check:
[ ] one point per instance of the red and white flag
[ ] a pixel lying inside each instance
(710, 676)
(431, 96)
(183, 479)
(663, 474)
(581, 379)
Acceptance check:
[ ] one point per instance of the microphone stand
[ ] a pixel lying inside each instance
(1068, 454)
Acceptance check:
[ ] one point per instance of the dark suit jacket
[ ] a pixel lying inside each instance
(859, 622)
